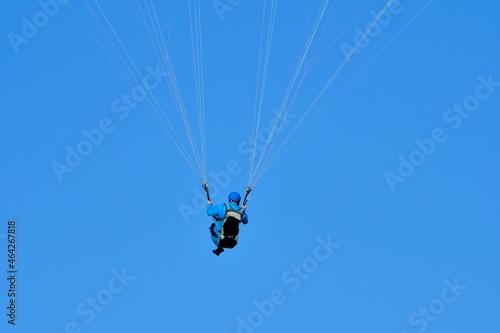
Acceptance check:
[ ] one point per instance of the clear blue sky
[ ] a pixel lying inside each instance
(382, 217)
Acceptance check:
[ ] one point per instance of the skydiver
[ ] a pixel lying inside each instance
(227, 216)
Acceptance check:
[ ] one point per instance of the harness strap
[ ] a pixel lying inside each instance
(230, 209)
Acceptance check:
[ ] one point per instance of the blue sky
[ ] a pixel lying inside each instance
(381, 217)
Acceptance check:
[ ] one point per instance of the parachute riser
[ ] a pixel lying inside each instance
(205, 187)
(246, 196)
(245, 200)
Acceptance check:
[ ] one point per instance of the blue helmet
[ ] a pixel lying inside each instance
(235, 196)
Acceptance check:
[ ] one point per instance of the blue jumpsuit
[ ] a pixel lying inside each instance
(219, 212)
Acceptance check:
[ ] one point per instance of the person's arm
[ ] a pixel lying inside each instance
(216, 211)
(244, 218)
(210, 209)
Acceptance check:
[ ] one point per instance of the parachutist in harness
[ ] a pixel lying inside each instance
(227, 217)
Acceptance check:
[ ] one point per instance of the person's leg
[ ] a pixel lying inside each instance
(215, 233)
(218, 251)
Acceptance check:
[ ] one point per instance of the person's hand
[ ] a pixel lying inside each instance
(209, 202)
(244, 207)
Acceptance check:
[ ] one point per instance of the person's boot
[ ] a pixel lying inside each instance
(218, 251)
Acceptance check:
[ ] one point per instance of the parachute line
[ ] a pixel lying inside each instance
(267, 159)
(150, 102)
(262, 83)
(289, 89)
(281, 151)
